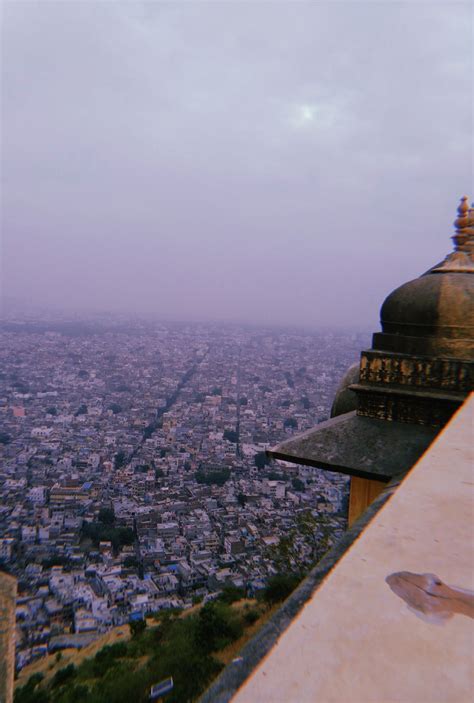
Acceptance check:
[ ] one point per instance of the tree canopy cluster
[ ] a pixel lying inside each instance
(276, 476)
(231, 436)
(298, 484)
(82, 410)
(115, 408)
(106, 532)
(107, 516)
(216, 477)
(304, 545)
(261, 460)
(280, 586)
(120, 459)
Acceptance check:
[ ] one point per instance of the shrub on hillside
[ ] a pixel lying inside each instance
(251, 616)
(279, 587)
(63, 675)
(30, 693)
(231, 594)
(137, 627)
(217, 625)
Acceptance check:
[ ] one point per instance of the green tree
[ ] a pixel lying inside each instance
(304, 545)
(217, 625)
(66, 674)
(75, 694)
(113, 651)
(141, 468)
(107, 516)
(149, 429)
(137, 627)
(31, 692)
(275, 476)
(98, 532)
(251, 616)
(119, 459)
(231, 436)
(216, 477)
(59, 560)
(279, 587)
(231, 594)
(116, 408)
(261, 460)
(297, 484)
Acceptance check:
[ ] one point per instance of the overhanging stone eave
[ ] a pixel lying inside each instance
(358, 446)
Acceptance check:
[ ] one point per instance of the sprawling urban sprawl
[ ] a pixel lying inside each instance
(133, 475)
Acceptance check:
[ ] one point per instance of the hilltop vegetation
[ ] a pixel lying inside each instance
(189, 647)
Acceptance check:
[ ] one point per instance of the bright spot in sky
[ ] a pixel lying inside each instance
(308, 113)
(324, 116)
(304, 115)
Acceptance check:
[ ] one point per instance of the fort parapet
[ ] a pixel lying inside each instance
(7, 638)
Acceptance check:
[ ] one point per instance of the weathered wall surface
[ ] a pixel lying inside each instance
(7, 636)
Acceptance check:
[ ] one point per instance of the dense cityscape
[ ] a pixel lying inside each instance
(133, 474)
(236, 434)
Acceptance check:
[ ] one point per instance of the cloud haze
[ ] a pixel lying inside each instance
(261, 161)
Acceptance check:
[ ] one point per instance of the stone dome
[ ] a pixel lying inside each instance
(345, 399)
(434, 314)
(438, 304)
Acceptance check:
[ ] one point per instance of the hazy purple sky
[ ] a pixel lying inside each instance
(262, 161)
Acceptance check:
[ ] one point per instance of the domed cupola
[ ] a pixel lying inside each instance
(434, 314)
(420, 367)
(418, 372)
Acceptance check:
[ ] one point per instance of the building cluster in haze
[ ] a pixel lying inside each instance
(133, 474)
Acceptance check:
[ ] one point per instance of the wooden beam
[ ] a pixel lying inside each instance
(363, 492)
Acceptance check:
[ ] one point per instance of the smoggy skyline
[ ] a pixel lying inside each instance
(273, 162)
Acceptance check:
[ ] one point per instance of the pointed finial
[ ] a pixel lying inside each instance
(470, 214)
(461, 260)
(463, 205)
(469, 228)
(462, 223)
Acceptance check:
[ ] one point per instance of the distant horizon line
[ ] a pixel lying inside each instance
(55, 315)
